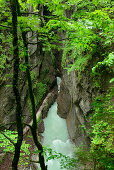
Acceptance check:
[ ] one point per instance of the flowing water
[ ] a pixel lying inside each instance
(56, 134)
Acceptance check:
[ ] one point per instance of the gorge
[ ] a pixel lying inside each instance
(45, 40)
(56, 135)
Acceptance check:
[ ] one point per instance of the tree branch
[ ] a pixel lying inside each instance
(27, 125)
(34, 67)
(11, 123)
(33, 43)
(29, 13)
(34, 161)
(8, 138)
(27, 128)
(5, 26)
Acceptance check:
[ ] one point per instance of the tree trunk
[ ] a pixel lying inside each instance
(15, 86)
(31, 95)
(34, 125)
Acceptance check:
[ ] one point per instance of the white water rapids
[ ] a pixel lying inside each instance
(56, 134)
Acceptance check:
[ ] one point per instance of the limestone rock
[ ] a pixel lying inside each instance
(64, 101)
(74, 103)
(41, 127)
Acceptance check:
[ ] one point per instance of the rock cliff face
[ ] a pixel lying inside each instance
(45, 71)
(45, 67)
(74, 104)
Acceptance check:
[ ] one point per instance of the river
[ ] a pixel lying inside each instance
(56, 134)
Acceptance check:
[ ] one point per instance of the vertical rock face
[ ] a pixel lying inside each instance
(44, 69)
(64, 101)
(43, 64)
(74, 104)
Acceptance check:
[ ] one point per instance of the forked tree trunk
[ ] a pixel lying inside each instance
(31, 95)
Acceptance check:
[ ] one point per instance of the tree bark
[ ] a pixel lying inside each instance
(34, 125)
(15, 86)
(31, 95)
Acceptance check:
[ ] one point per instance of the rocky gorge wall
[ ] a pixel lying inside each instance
(44, 67)
(74, 104)
(45, 74)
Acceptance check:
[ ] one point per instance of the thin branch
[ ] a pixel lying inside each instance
(8, 138)
(11, 123)
(5, 26)
(34, 67)
(29, 13)
(44, 16)
(27, 125)
(33, 35)
(34, 161)
(33, 43)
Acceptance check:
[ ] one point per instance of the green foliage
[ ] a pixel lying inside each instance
(101, 70)
(107, 63)
(28, 23)
(89, 35)
(5, 53)
(66, 162)
(101, 152)
(85, 158)
(41, 90)
(5, 40)
(102, 131)
(23, 67)
(33, 75)
(112, 80)
(7, 146)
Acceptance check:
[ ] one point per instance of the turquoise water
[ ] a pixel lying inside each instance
(56, 135)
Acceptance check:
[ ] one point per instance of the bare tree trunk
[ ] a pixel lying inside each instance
(15, 86)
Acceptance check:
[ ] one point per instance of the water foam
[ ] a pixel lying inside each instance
(56, 135)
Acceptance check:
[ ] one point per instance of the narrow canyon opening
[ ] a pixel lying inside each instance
(56, 134)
